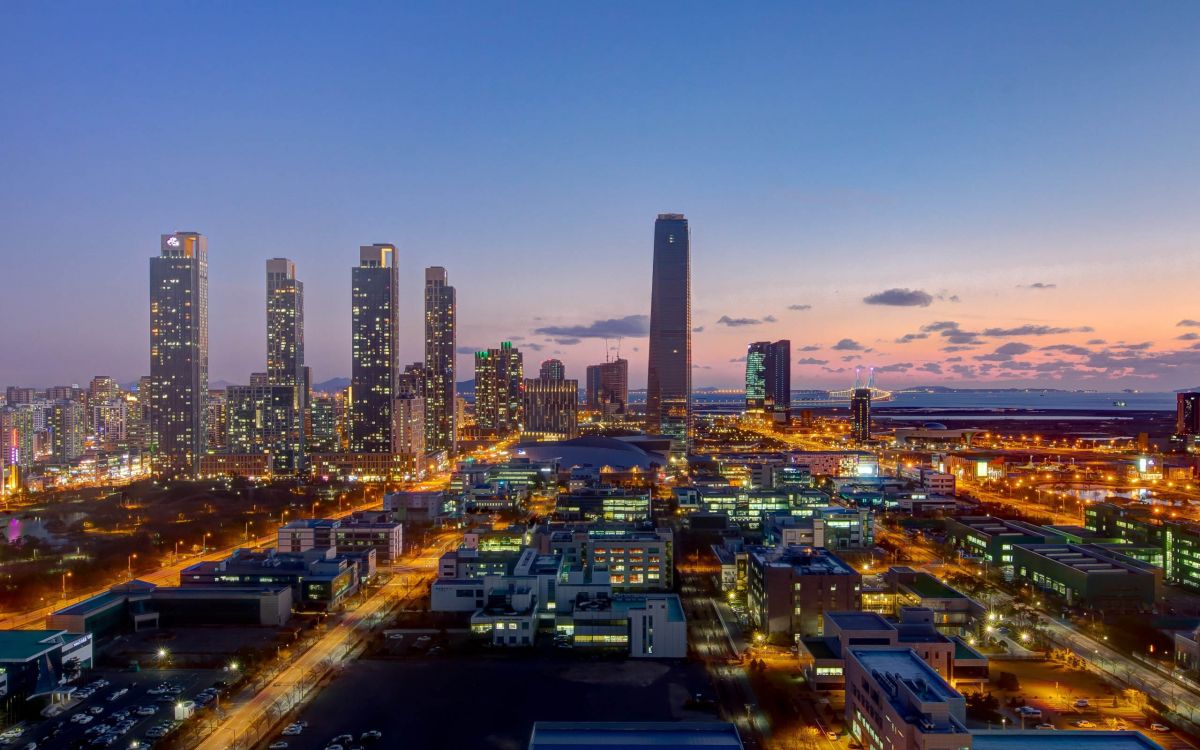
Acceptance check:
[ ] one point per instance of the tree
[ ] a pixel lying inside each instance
(1008, 681)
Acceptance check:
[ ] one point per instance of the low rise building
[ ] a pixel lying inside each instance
(833, 527)
(895, 701)
(954, 612)
(319, 579)
(38, 663)
(1089, 575)
(603, 504)
(789, 589)
(643, 625)
(991, 540)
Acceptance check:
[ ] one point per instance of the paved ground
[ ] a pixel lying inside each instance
(492, 702)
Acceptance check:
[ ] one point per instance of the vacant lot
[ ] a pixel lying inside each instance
(492, 702)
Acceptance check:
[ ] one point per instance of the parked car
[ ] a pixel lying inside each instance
(1160, 727)
(1082, 703)
(1085, 724)
(1044, 726)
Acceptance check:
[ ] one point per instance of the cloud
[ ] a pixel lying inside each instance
(1071, 349)
(1034, 330)
(847, 345)
(809, 348)
(900, 298)
(1005, 352)
(570, 341)
(949, 330)
(1188, 336)
(940, 325)
(895, 367)
(932, 367)
(1096, 342)
(812, 361)
(910, 337)
(799, 307)
(1038, 285)
(466, 349)
(532, 346)
(957, 348)
(851, 357)
(631, 325)
(1188, 323)
(701, 367)
(698, 329)
(737, 359)
(770, 319)
(725, 320)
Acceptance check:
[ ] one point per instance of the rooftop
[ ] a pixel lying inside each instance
(23, 645)
(1069, 740)
(802, 560)
(860, 621)
(928, 587)
(902, 664)
(553, 735)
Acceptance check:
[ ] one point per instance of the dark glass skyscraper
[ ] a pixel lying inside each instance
(374, 325)
(179, 350)
(769, 378)
(608, 386)
(552, 369)
(285, 359)
(1187, 414)
(860, 413)
(499, 377)
(669, 371)
(440, 343)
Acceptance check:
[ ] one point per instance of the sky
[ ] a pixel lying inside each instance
(955, 193)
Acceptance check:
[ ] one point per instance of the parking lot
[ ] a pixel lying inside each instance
(120, 708)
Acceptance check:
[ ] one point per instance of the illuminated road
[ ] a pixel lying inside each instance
(168, 575)
(244, 720)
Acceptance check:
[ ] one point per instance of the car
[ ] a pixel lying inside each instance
(146, 710)
(278, 745)
(342, 739)
(1085, 724)
(1030, 712)
(291, 730)
(1082, 703)
(1044, 726)
(96, 710)
(118, 694)
(334, 747)
(1160, 727)
(831, 735)
(371, 734)
(83, 719)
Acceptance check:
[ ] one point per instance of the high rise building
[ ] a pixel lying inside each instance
(285, 343)
(1187, 414)
(324, 434)
(103, 389)
(860, 413)
(669, 371)
(552, 369)
(608, 386)
(216, 421)
(179, 349)
(138, 429)
(550, 408)
(262, 419)
(499, 376)
(414, 380)
(15, 395)
(408, 429)
(68, 427)
(17, 435)
(441, 339)
(769, 378)
(373, 372)
(108, 422)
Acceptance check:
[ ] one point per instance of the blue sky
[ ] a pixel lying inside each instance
(823, 153)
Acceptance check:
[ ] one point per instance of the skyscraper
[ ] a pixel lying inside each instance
(860, 412)
(285, 353)
(68, 426)
(499, 377)
(262, 419)
(550, 407)
(669, 371)
(552, 369)
(441, 341)
(179, 350)
(1187, 414)
(608, 386)
(374, 325)
(769, 378)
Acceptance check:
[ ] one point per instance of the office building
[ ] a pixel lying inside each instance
(374, 326)
(441, 339)
(68, 428)
(1089, 575)
(860, 414)
(262, 419)
(499, 377)
(895, 701)
(608, 386)
(789, 589)
(552, 369)
(37, 663)
(285, 340)
(550, 407)
(1187, 414)
(414, 381)
(769, 378)
(669, 372)
(179, 350)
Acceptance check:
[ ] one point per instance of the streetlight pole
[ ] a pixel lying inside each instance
(129, 565)
(65, 576)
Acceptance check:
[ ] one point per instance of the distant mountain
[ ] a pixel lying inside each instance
(465, 387)
(333, 385)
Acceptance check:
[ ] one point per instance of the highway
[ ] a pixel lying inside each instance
(247, 718)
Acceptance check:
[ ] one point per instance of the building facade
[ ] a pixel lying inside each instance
(550, 407)
(769, 378)
(608, 386)
(374, 326)
(499, 377)
(441, 339)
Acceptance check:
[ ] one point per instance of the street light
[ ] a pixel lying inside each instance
(65, 576)
(129, 565)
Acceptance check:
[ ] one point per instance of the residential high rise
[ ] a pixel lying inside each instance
(550, 408)
(499, 376)
(669, 370)
(285, 344)
(441, 339)
(374, 327)
(108, 422)
(1187, 414)
(262, 419)
(414, 380)
(103, 389)
(324, 425)
(608, 386)
(769, 378)
(408, 429)
(552, 369)
(68, 426)
(179, 350)
(216, 421)
(860, 412)
(17, 435)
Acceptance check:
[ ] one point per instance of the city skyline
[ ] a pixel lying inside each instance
(1024, 206)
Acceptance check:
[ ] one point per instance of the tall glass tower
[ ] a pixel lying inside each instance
(179, 350)
(285, 355)
(669, 371)
(373, 371)
(769, 378)
(440, 343)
